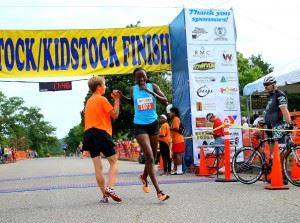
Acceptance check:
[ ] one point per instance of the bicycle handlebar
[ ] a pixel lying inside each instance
(275, 138)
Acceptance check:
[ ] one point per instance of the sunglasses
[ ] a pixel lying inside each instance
(267, 84)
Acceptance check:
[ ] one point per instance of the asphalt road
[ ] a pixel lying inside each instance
(64, 190)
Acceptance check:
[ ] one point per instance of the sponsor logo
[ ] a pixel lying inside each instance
(209, 106)
(223, 79)
(202, 135)
(197, 33)
(227, 59)
(229, 90)
(202, 53)
(206, 106)
(205, 65)
(230, 104)
(228, 79)
(220, 32)
(204, 91)
(199, 106)
(200, 80)
(231, 118)
(200, 122)
(227, 56)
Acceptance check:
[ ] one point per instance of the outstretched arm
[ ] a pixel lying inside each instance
(127, 100)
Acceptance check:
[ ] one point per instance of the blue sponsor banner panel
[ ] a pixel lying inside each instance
(213, 75)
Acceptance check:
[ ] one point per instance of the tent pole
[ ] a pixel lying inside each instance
(249, 107)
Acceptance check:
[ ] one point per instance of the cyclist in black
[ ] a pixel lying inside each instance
(276, 109)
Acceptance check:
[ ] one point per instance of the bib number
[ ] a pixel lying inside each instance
(145, 104)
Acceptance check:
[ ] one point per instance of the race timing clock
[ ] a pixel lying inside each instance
(55, 86)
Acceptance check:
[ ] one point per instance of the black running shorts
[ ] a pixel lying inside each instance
(150, 129)
(96, 141)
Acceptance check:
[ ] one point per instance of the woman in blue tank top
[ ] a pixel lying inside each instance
(143, 97)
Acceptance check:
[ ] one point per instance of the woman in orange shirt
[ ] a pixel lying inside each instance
(164, 143)
(178, 146)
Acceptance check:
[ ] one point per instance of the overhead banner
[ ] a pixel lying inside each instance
(213, 74)
(44, 53)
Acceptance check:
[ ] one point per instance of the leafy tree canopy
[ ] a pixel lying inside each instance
(24, 127)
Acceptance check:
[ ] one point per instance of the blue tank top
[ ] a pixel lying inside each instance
(144, 105)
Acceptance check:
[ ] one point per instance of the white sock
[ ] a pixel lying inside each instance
(179, 169)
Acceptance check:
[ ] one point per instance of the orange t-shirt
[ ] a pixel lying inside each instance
(176, 137)
(164, 133)
(97, 113)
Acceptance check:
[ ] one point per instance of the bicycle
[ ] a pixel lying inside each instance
(249, 164)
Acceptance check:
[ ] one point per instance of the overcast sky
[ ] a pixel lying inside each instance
(265, 27)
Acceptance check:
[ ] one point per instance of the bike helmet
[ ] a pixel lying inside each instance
(208, 116)
(270, 80)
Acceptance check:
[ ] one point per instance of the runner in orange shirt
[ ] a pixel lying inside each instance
(98, 132)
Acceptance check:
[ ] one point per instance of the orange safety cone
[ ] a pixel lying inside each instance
(203, 170)
(227, 159)
(268, 156)
(276, 173)
(227, 165)
(295, 170)
(161, 163)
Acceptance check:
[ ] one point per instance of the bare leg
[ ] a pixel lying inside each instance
(99, 173)
(144, 141)
(175, 162)
(113, 170)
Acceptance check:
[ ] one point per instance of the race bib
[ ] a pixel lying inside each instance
(145, 104)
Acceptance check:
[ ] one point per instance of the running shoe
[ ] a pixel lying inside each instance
(111, 193)
(104, 200)
(162, 197)
(144, 181)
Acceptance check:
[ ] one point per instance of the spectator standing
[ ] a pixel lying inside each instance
(217, 132)
(164, 143)
(178, 146)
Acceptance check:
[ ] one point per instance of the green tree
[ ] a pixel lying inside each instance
(74, 137)
(265, 67)
(247, 71)
(250, 69)
(23, 127)
(40, 132)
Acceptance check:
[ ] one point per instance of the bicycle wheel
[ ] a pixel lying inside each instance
(291, 166)
(247, 165)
